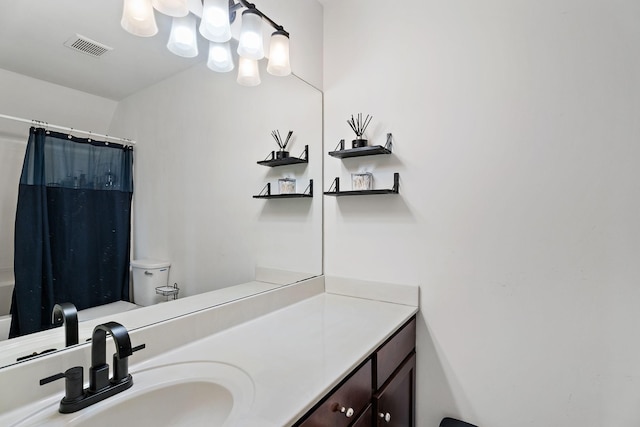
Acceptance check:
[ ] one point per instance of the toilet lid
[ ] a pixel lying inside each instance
(149, 263)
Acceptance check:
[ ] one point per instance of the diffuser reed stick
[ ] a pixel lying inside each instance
(358, 125)
(282, 144)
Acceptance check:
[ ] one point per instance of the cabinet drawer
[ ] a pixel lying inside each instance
(391, 354)
(355, 394)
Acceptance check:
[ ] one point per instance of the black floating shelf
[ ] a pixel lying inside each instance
(359, 193)
(283, 196)
(266, 193)
(271, 160)
(334, 190)
(341, 153)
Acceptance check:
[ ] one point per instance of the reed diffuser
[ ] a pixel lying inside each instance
(281, 154)
(359, 126)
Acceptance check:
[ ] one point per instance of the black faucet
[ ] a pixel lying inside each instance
(67, 315)
(99, 371)
(100, 386)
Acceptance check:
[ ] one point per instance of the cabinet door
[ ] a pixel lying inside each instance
(394, 404)
(341, 407)
(365, 419)
(391, 354)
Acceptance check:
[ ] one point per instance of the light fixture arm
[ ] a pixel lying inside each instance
(244, 3)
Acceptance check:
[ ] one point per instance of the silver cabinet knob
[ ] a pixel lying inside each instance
(385, 416)
(348, 412)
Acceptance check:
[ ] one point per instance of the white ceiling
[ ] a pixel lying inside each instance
(33, 32)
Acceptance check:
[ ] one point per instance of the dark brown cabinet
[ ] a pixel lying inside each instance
(394, 403)
(341, 407)
(366, 419)
(380, 392)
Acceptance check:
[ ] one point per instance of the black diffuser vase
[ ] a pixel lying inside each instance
(358, 142)
(359, 126)
(282, 154)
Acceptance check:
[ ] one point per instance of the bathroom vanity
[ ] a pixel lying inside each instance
(382, 388)
(337, 353)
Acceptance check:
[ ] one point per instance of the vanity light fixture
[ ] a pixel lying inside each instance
(279, 54)
(215, 25)
(138, 18)
(250, 45)
(175, 8)
(220, 58)
(183, 40)
(248, 72)
(216, 17)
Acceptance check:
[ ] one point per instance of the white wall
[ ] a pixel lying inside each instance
(29, 98)
(516, 138)
(199, 135)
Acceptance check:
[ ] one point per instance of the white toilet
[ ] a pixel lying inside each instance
(149, 274)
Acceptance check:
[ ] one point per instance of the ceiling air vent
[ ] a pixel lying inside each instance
(86, 45)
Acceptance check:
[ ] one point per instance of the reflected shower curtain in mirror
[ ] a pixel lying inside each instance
(73, 227)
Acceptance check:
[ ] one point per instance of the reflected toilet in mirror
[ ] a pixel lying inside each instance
(151, 282)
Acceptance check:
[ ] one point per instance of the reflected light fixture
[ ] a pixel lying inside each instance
(216, 17)
(251, 44)
(138, 18)
(174, 8)
(220, 58)
(248, 72)
(215, 25)
(183, 40)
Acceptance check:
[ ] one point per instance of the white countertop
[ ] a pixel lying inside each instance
(297, 354)
(293, 354)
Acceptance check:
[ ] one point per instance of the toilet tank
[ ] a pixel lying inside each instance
(148, 274)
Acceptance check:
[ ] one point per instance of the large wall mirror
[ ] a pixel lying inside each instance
(199, 136)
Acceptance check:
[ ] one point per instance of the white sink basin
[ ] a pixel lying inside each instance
(183, 394)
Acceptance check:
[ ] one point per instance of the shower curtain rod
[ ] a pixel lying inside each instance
(46, 125)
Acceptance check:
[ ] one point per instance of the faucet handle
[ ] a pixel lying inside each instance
(138, 348)
(52, 378)
(73, 386)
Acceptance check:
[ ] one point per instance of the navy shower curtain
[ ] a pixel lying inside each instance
(73, 227)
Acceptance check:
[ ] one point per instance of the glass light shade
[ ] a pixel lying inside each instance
(195, 6)
(214, 25)
(248, 72)
(220, 58)
(279, 64)
(250, 45)
(175, 8)
(138, 18)
(183, 40)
